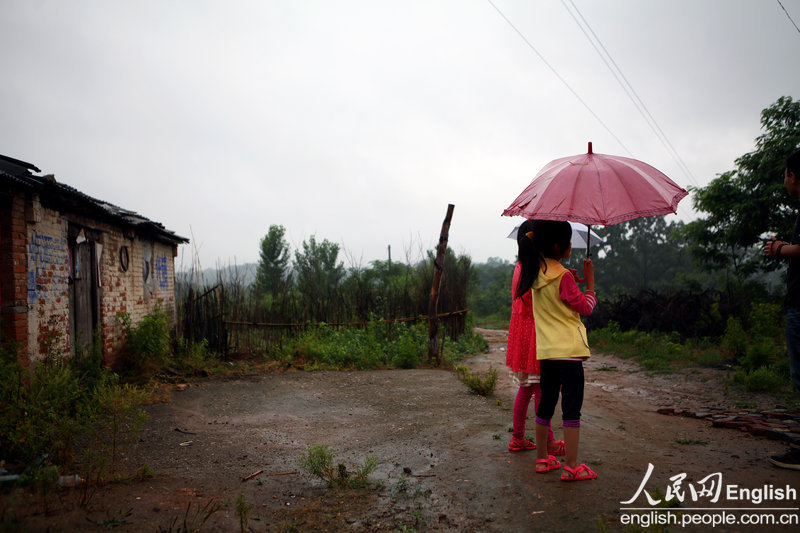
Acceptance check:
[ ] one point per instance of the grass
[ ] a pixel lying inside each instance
(692, 442)
(482, 385)
(376, 346)
(656, 352)
(318, 462)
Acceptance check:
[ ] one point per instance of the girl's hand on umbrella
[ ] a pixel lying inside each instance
(588, 269)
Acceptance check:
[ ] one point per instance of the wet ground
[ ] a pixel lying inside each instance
(443, 463)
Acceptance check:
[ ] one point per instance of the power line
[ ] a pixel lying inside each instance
(597, 44)
(788, 16)
(553, 70)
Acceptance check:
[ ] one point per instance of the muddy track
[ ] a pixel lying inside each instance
(442, 452)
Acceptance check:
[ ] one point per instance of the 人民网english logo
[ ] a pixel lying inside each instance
(709, 501)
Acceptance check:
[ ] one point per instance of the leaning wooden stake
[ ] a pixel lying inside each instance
(438, 270)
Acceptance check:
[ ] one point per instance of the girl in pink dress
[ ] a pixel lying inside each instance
(521, 360)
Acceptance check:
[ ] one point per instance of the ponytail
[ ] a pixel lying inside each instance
(527, 257)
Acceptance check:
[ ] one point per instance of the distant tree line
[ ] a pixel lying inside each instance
(311, 285)
(315, 285)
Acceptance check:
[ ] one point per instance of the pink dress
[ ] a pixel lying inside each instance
(521, 347)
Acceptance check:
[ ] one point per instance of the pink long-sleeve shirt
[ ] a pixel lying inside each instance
(581, 303)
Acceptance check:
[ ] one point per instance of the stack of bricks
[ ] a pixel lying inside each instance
(778, 423)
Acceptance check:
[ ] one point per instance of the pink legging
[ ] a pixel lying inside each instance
(521, 410)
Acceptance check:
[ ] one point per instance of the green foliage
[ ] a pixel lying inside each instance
(193, 522)
(761, 353)
(482, 385)
(639, 255)
(469, 342)
(490, 291)
(655, 351)
(378, 345)
(148, 341)
(408, 352)
(743, 205)
(762, 379)
(41, 415)
(319, 275)
(317, 460)
(242, 511)
(767, 320)
(117, 419)
(692, 442)
(273, 265)
(195, 356)
(735, 338)
(63, 409)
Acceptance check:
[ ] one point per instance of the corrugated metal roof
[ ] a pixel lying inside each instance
(14, 172)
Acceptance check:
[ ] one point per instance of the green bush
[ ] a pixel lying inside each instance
(762, 379)
(760, 354)
(469, 342)
(656, 352)
(482, 385)
(317, 460)
(378, 345)
(53, 415)
(407, 352)
(735, 339)
(147, 341)
(117, 419)
(767, 320)
(194, 356)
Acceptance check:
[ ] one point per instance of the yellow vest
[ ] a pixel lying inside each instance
(559, 330)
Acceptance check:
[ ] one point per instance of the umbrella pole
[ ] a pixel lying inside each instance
(588, 240)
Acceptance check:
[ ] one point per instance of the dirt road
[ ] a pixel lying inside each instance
(442, 452)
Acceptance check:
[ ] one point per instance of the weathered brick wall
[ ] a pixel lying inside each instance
(37, 298)
(48, 282)
(116, 288)
(127, 292)
(14, 268)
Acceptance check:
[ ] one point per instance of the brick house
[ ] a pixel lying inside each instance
(69, 264)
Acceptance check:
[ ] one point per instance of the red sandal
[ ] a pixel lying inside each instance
(582, 472)
(521, 445)
(556, 447)
(543, 466)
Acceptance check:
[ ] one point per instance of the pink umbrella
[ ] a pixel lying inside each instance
(597, 189)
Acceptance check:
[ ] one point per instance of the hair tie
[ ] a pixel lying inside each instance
(529, 235)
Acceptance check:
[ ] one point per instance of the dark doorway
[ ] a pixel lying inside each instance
(84, 287)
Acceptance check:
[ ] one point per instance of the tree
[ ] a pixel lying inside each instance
(273, 261)
(641, 254)
(742, 206)
(490, 294)
(319, 276)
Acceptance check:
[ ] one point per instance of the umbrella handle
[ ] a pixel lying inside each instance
(588, 230)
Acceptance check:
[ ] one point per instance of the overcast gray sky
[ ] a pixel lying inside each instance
(359, 121)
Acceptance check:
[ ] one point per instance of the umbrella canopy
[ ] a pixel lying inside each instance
(597, 189)
(578, 235)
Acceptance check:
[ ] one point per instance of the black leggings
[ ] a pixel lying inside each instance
(565, 377)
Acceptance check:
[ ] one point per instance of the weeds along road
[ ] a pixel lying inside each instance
(442, 454)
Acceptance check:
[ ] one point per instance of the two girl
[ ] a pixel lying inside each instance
(561, 344)
(521, 359)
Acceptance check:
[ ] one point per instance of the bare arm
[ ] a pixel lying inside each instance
(778, 248)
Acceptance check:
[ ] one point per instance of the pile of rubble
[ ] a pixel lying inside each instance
(778, 423)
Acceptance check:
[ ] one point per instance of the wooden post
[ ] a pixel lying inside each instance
(433, 303)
